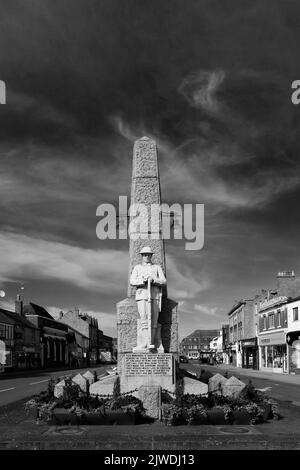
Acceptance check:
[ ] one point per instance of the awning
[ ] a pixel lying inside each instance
(54, 333)
(54, 337)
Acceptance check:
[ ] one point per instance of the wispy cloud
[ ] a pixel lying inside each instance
(96, 270)
(200, 89)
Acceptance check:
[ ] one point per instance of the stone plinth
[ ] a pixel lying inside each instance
(147, 369)
(150, 396)
(127, 314)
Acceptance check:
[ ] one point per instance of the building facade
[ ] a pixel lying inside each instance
(53, 336)
(21, 339)
(293, 335)
(272, 328)
(242, 350)
(86, 326)
(197, 343)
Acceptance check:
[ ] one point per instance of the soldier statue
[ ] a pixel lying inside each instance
(148, 278)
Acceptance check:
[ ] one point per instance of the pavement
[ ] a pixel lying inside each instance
(279, 377)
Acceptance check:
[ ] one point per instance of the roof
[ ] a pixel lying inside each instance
(15, 318)
(290, 300)
(201, 333)
(34, 309)
(236, 305)
(5, 318)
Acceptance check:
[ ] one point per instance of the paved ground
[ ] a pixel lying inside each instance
(20, 431)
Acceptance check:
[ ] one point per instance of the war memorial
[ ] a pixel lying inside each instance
(148, 385)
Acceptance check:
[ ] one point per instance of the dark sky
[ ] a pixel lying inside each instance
(210, 81)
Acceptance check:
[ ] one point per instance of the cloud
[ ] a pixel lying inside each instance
(200, 89)
(206, 310)
(182, 284)
(23, 257)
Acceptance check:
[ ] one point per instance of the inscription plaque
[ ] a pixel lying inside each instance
(148, 364)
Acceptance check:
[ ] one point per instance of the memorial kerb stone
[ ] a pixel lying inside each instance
(81, 381)
(89, 376)
(194, 387)
(216, 382)
(232, 387)
(59, 389)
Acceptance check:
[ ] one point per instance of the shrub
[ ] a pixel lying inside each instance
(173, 415)
(196, 414)
(117, 388)
(179, 391)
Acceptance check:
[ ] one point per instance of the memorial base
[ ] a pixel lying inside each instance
(147, 369)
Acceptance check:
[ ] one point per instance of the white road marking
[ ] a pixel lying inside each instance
(41, 381)
(6, 389)
(263, 389)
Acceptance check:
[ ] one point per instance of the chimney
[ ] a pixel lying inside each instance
(19, 305)
(60, 315)
(286, 283)
(76, 310)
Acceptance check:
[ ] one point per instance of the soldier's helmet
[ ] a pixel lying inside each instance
(146, 250)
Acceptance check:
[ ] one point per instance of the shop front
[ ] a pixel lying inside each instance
(273, 352)
(293, 341)
(249, 353)
(27, 357)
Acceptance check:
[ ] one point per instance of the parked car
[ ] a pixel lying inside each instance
(183, 359)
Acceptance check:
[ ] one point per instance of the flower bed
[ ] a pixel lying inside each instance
(76, 407)
(250, 407)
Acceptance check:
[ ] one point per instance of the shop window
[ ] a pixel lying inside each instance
(295, 314)
(8, 362)
(263, 357)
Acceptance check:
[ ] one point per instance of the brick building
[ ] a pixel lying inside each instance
(242, 334)
(53, 335)
(21, 339)
(272, 313)
(197, 343)
(293, 335)
(88, 327)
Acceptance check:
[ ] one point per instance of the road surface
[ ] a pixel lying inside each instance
(29, 383)
(275, 388)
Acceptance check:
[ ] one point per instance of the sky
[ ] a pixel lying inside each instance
(210, 81)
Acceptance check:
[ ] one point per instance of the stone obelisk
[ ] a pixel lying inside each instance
(145, 189)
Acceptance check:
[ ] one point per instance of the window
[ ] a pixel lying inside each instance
(2, 331)
(278, 318)
(272, 321)
(295, 314)
(265, 322)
